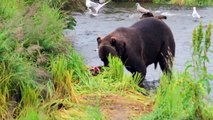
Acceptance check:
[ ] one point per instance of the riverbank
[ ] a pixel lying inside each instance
(43, 77)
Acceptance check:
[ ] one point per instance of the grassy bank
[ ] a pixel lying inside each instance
(185, 96)
(186, 2)
(42, 76)
(35, 58)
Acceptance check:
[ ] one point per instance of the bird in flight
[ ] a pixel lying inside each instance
(102, 1)
(94, 7)
(141, 9)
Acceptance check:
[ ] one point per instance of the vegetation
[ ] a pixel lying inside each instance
(192, 2)
(186, 2)
(31, 43)
(185, 95)
(42, 77)
(177, 2)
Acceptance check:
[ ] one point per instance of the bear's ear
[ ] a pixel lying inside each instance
(119, 45)
(113, 41)
(99, 40)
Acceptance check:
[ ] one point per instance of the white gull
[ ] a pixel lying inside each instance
(94, 7)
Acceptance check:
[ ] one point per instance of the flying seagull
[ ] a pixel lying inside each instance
(102, 1)
(94, 7)
(195, 14)
(141, 9)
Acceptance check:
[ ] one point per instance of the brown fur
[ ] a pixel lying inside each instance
(149, 14)
(147, 41)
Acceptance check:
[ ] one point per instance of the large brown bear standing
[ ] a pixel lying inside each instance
(147, 41)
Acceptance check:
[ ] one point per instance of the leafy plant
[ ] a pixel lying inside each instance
(62, 78)
(160, 1)
(199, 57)
(183, 95)
(192, 2)
(30, 34)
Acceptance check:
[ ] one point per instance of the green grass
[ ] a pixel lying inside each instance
(192, 2)
(31, 34)
(186, 2)
(39, 69)
(180, 98)
(42, 76)
(185, 95)
(112, 80)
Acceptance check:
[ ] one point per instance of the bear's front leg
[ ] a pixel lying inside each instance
(138, 66)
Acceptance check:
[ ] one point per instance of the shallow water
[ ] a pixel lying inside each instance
(123, 15)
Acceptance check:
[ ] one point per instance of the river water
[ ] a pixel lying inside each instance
(116, 15)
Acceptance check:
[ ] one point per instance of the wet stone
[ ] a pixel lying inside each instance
(151, 85)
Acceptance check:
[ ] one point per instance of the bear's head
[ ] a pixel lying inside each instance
(148, 14)
(110, 45)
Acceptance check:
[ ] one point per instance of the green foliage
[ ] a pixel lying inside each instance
(57, 3)
(183, 97)
(192, 2)
(160, 1)
(47, 23)
(74, 5)
(199, 56)
(116, 68)
(180, 98)
(186, 2)
(16, 82)
(71, 23)
(199, 38)
(40, 71)
(30, 34)
(78, 66)
(208, 37)
(51, 3)
(42, 77)
(62, 77)
(95, 113)
(7, 12)
(112, 79)
(32, 113)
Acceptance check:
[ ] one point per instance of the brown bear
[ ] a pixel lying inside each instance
(148, 41)
(149, 14)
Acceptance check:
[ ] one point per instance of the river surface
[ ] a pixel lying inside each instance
(116, 15)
